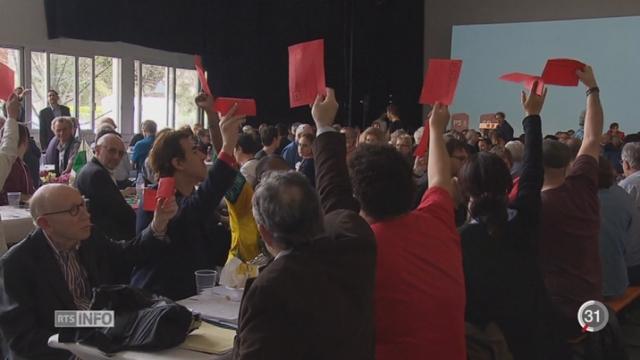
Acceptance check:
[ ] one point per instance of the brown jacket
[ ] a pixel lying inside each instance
(316, 302)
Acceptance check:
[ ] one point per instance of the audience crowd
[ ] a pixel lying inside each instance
(488, 243)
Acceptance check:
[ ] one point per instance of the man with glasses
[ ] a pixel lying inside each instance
(110, 212)
(48, 114)
(58, 264)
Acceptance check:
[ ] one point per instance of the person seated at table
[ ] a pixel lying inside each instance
(244, 153)
(568, 246)
(290, 152)
(19, 179)
(110, 212)
(63, 153)
(315, 300)
(199, 242)
(56, 266)
(141, 148)
(270, 141)
(306, 165)
(121, 172)
(419, 275)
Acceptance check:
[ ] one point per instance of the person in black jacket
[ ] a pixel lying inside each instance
(58, 264)
(110, 212)
(196, 246)
(503, 282)
(504, 130)
(47, 115)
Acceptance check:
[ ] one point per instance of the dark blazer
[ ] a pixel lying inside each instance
(46, 117)
(198, 241)
(33, 286)
(52, 155)
(110, 213)
(316, 302)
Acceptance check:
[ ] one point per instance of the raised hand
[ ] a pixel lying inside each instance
(13, 106)
(587, 77)
(439, 118)
(230, 129)
(166, 209)
(205, 102)
(533, 103)
(324, 109)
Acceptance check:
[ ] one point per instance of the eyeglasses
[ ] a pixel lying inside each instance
(73, 210)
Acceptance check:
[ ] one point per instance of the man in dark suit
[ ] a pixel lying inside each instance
(58, 264)
(110, 213)
(48, 114)
(315, 299)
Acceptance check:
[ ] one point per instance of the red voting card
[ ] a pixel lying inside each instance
(149, 200)
(422, 148)
(440, 81)
(562, 72)
(6, 81)
(306, 72)
(525, 79)
(246, 107)
(203, 78)
(166, 187)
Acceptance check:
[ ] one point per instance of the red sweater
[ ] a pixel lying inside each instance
(420, 292)
(19, 179)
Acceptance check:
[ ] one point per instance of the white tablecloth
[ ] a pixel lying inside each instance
(90, 353)
(16, 223)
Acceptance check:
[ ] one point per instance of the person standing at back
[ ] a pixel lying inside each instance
(47, 115)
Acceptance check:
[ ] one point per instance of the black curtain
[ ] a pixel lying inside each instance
(373, 47)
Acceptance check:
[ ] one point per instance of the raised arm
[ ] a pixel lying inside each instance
(530, 184)
(594, 117)
(205, 102)
(224, 171)
(330, 157)
(9, 143)
(438, 167)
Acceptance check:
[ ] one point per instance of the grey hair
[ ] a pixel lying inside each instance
(288, 207)
(631, 154)
(516, 148)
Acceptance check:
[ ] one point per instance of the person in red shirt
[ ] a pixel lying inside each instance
(420, 293)
(19, 179)
(569, 239)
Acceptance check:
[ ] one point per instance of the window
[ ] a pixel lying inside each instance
(62, 78)
(186, 90)
(106, 87)
(38, 86)
(85, 98)
(167, 96)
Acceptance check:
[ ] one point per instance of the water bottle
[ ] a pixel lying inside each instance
(139, 188)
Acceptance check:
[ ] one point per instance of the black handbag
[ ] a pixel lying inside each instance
(143, 321)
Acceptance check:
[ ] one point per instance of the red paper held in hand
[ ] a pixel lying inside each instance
(306, 72)
(440, 81)
(7, 81)
(149, 200)
(203, 78)
(246, 107)
(562, 72)
(166, 187)
(525, 79)
(422, 148)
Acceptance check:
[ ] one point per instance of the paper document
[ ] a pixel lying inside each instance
(209, 339)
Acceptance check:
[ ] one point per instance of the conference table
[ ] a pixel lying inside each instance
(16, 223)
(223, 304)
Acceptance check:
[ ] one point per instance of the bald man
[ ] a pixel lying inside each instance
(56, 267)
(110, 212)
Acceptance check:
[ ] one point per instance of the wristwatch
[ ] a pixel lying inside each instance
(592, 90)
